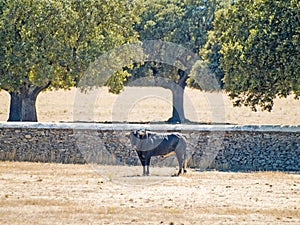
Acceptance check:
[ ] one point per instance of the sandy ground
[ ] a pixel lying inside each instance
(152, 104)
(34, 193)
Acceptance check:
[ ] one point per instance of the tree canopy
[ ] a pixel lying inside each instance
(259, 50)
(184, 23)
(253, 46)
(49, 44)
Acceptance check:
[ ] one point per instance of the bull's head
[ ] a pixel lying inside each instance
(140, 134)
(137, 137)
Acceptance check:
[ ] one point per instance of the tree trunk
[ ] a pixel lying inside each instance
(29, 95)
(22, 105)
(178, 97)
(178, 110)
(15, 109)
(28, 107)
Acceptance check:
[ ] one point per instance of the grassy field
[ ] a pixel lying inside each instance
(35, 193)
(152, 104)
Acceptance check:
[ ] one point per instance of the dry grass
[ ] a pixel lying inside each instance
(35, 193)
(152, 104)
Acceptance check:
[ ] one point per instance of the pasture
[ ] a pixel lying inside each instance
(36, 193)
(154, 104)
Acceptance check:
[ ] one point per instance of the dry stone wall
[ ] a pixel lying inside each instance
(227, 148)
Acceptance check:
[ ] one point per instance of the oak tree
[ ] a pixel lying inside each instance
(184, 24)
(259, 50)
(49, 44)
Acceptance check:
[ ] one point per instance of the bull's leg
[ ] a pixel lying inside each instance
(181, 157)
(185, 165)
(180, 167)
(143, 161)
(147, 171)
(180, 162)
(147, 165)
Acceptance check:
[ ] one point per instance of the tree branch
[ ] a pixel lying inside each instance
(37, 89)
(183, 78)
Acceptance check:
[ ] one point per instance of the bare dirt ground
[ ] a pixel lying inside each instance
(36, 193)
(153, 104)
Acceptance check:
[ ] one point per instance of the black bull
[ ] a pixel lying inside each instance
(149, 144)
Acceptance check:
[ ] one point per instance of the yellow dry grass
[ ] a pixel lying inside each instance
(152, 104)
(36, 193)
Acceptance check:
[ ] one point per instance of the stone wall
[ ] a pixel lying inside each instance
(228, 148)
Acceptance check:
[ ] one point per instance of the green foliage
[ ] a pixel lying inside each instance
(181, 22)
(184, 23)
(260, 50)
(211, 56)
(116, 81)
(55, 41)
(31, 34)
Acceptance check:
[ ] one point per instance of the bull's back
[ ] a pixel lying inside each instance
(167, 143)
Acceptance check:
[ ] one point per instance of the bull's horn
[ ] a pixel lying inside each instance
(134, 131)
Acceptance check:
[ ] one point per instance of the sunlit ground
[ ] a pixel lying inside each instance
(152, 104)
(37, 193)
